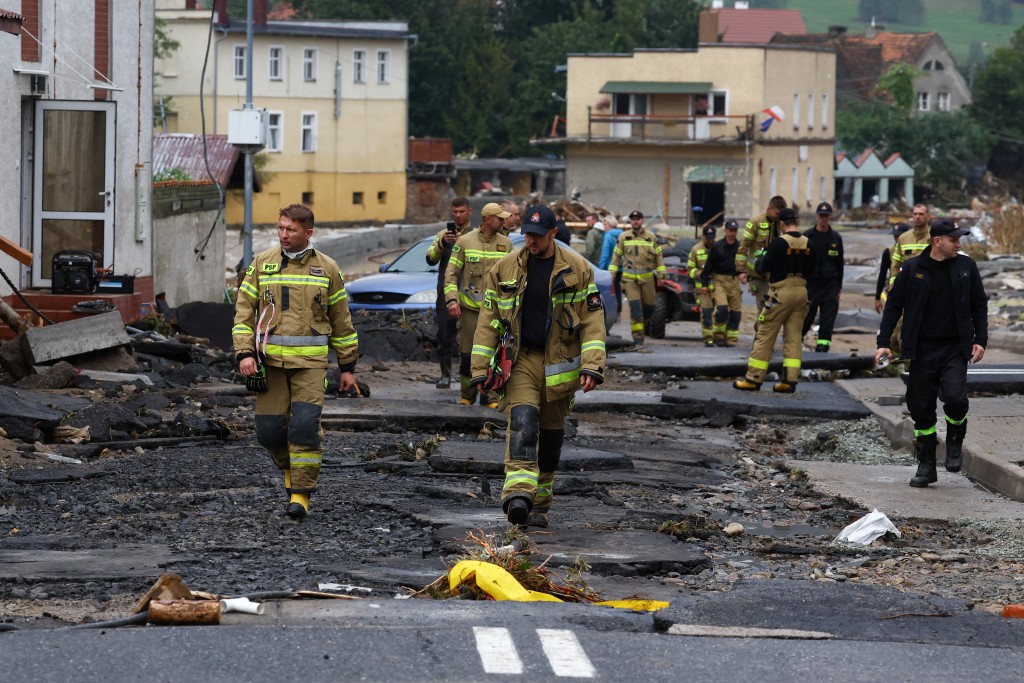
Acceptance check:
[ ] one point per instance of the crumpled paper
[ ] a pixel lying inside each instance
(868, 528)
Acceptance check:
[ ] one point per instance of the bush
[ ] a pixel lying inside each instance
(1006, 231)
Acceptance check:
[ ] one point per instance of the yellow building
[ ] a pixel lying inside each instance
(678, 133)
(337, 101)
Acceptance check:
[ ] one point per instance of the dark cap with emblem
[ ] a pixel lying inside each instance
(899, 229)
(787, 215)
(538, 220)
(636, 214)
(824, 209)
(947, 227)
(732, 225)
(708, 231)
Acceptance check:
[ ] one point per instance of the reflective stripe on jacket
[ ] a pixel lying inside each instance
(472, 256)
(638, 255)
(758, 233)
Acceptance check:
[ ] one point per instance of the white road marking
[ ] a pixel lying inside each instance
(565, 654)
(497, 651)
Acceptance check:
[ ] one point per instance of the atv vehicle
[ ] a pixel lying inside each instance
(676, 298)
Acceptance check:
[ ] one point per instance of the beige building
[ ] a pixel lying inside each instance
(678, 133)
(336, 93)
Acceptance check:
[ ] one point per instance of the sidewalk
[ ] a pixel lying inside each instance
(992, 450)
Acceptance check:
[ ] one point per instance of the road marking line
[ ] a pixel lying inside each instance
(565, 654)
(497, 651)
(745, 632)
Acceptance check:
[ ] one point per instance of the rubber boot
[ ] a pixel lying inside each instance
(298, 508)
(955, 434)
(518, 510)
(518, 492)
(784, 388)
(924, 449)
(445, 382)
(746, 385)
(288, 482)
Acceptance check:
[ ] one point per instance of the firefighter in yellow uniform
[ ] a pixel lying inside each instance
(705, 293)
(720, 272)
(786, 263)
(472, 256)
(757, 235)
(638, 256)
(292, 308)
(908, 245)
(542, 312)
(438, 253)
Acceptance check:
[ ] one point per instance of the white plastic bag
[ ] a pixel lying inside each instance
(868, 528)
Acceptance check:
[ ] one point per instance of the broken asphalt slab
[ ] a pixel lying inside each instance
(488, 457)
(724, 362)
(871, 613)
(812, 399)
(401, 415)
(32, 563)
(45, 409)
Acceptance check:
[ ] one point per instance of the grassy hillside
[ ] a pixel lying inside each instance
(957, 21)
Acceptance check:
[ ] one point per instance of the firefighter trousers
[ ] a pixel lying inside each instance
(288, 422)
(706, 301)
(533, 440)
(758, 287)
(939, 370)
(728, 308)
(785, 310)
(823, 297)
(640, 293)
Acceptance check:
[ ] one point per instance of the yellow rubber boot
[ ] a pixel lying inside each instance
(298, 508)
(287, 480)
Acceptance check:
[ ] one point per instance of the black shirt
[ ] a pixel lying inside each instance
(721, 260)
(941, 323)
(563, 235)
(536, 307)
(828, 255)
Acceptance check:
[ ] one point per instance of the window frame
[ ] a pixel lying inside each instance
(309, 64)
(312, 128)
(943, 101)
(239, 62)
(824, 111)
(280, 131)
(359, 65)
(279, 61)
(796, 111)
(383, 77)
(924, 101)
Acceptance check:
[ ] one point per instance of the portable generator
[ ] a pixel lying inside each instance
(74, 272)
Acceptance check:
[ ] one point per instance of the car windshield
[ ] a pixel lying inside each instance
(414, 260)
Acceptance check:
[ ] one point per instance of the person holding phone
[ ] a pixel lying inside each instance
(437, 255)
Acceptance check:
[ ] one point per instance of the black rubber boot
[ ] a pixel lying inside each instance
(924, 449)
(518, 510)
(954, 445)
(445, 381)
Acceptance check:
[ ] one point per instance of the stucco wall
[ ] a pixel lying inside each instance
(183, 217)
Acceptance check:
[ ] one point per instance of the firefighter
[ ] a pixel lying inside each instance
(539, 339)
(437, 255)
(720, 274)
(472, 256)
(826, 282)
(758, 233)
(694, 267)
(292, 308)
(638, 256)
(786, 263)
(942, 300)
(908, 245)
(883, 268)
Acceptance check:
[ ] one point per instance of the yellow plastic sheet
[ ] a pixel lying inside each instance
(494, 581)
(639, 605)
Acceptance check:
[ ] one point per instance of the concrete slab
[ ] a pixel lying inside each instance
(637, 402)
(885, 487)
(403, 415)
(812, 399)
(488, 457)
(992, 450)
(724, 362)
(99, 564)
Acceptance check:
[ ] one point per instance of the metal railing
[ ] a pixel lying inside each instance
(671, 127)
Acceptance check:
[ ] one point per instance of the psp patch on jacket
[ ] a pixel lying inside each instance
(271, 267)
(316, 270)
(594, 302)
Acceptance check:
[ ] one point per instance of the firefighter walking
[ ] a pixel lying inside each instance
(472, 256)
(638, 257)
(786, 263)
(720, 273)
(908, 245)
(705, 292)
(540, 338)
(438, 253)
(758, 233)
(292, 308)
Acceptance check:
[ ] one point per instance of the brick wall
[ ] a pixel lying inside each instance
(29, 48)
(101, 57)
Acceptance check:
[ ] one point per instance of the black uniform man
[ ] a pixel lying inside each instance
(826, 280)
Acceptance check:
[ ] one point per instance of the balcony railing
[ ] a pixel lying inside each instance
(653, 127)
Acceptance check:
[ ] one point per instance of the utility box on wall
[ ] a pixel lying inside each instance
(247, 127)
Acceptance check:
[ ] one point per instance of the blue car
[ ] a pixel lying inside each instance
(408, 283)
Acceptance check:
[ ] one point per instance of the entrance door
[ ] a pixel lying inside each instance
(627, 104)
(73, 198)
(708, 202)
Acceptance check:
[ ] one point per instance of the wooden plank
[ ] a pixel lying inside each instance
(74, 337)
(23, 256)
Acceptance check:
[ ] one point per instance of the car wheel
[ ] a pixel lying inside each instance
(656, 325)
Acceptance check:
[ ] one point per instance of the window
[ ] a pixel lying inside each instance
(796, 113)
(276, 63)
(773, 186)
(796, 185)
(357, 197)
(810, 111)
(309, 64)
(307, 198)
(308, 132)
(934, 65)
(383, 66)
(942, 102)
(924, 101)
(275, 131)
(810, 184)
(382, 197)
(713, 104)
(822, 190)
(359, 66)
(824, 111)
(240, 61)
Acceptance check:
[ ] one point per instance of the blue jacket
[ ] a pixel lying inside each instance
(611, 237)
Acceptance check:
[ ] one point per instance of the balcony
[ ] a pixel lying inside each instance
(668, 129)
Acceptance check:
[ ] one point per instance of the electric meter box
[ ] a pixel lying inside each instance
(247, 127)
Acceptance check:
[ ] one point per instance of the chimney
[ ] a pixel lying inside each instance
(836, 31)
(220, 7)
(707, 31)
(259, 13)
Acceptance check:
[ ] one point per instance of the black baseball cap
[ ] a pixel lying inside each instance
(947, 227)
(824, 209)
(899, 229)
(709, 231)
(787, 215)
(538, 220)
(732, 225)
(636, 214)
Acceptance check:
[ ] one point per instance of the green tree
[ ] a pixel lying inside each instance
(998, 99)
(897, 87)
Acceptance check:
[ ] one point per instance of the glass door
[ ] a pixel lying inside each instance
(73, 198)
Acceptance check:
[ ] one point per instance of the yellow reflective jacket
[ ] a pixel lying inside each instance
(758, 233)
(309, 306)
(695, 263)
(436, 250)
(908, 245)
(575, 321)
(472, 256)
(638, 255)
